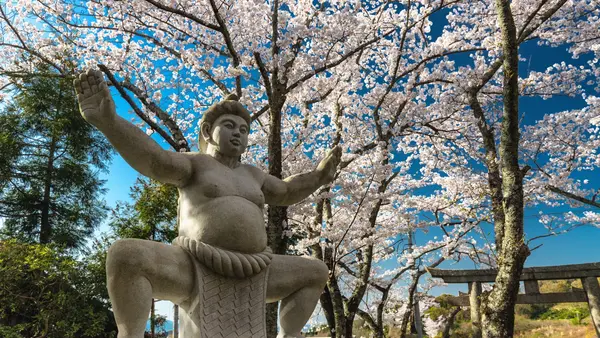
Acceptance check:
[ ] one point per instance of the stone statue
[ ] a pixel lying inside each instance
(221, 205)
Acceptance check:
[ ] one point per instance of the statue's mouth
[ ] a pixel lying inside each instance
(236, 142)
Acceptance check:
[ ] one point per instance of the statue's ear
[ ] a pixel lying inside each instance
(205, 131)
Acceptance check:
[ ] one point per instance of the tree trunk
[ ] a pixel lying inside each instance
(411, 294)
(380, 327)
(176, 321)
(498, 306)
(339, 315)
(450, 323)
(152, 317)
(417, 318)
(45, 226)
(271, 319)
(409, 307)
(327, 306)
(276, 215)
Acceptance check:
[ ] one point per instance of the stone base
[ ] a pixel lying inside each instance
(225, 306)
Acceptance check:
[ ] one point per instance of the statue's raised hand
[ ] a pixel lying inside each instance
(329, 163)
(95, 102)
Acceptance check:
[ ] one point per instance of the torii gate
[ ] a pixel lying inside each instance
(588, 273)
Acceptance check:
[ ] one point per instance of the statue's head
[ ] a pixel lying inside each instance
(225, 119)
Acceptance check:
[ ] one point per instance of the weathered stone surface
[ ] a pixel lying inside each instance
(536, 273)
(224, 306)
(542, 298)
(531, 287)
(475, 304)
(221, 204)
(592, 292)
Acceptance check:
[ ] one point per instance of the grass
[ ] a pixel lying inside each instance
(524, 328)
(527, 328)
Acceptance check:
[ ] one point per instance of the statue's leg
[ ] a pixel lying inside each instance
(298, 282)
(139, 270)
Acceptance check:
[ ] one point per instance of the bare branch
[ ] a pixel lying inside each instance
(572, 196)
(185, 15)
(229, 43)
(263, 74)
(137, 110)
(161, 114)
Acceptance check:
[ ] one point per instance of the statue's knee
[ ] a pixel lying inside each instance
(321, 272)
(124, 256)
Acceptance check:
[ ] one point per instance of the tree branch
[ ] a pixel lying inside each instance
(572, 196)
(137, 110)
(229, 43)
(185, 15)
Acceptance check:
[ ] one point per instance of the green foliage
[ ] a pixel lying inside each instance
(575, 314)
(94, 269)
(317, 330)
(563, 285)
(49, 161)
(9, 146)
(444, 309)
(46, 293)
(152, 215)
(533, 311)
(159, 321)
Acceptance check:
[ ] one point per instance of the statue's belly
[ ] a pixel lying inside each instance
(228, 222)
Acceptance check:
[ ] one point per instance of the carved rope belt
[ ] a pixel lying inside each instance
(229, 295)
(224, 262)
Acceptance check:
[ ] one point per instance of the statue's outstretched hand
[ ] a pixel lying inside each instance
(329, 163)
(95, 101)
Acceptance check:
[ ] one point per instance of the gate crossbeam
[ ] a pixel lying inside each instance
(536, 273)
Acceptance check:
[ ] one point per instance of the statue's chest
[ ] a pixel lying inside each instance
(226, 182)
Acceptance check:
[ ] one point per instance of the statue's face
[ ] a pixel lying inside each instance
(229, 133)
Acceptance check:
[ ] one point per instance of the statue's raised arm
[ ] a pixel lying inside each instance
(138, 149)
(295, 188)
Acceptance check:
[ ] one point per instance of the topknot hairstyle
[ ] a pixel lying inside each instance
(230, 105)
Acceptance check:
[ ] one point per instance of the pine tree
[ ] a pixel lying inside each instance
(152, 215)
(50, 159)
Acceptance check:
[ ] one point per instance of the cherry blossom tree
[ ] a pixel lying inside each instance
(484, 131)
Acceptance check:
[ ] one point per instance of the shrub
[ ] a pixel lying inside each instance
(575, 314)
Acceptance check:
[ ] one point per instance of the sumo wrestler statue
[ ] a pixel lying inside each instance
(221, 205)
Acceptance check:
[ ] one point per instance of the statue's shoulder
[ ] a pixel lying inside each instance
(197, 156)
(201, 161)
(255, 171)
(251, 167)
